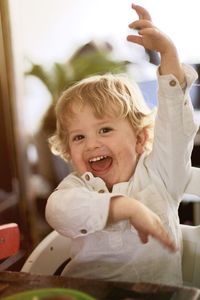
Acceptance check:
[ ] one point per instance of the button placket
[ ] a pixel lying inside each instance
(87, 177)
(101, 191)
(95, 183)
(98, 185)
(172, 82)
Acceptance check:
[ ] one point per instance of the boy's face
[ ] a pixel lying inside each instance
(106, 147)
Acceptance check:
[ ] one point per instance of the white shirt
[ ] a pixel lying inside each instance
(79, 207)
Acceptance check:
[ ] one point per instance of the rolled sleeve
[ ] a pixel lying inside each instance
(77, 212)
(167, 83)
(174, 105)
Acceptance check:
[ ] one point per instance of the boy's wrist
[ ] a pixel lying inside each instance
(121, 208)
(170, 64)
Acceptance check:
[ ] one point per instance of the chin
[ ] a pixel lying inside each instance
(109, 184)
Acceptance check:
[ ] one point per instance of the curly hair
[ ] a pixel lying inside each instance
(109, 94)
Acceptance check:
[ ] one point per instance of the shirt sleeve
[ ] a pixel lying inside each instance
(175, 129)
(73, 210)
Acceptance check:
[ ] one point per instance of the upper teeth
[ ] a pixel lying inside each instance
(97, 158)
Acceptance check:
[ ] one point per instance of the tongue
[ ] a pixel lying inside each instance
(102, 164)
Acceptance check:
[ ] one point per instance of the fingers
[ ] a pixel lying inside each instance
(143, 23)
(169, 242)
(163, 236)
(139, 24)
(141, 12)
(135, 39)
(147, 223)
(143, 237)
(143, 27)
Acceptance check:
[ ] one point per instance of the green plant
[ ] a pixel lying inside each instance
(88, 60)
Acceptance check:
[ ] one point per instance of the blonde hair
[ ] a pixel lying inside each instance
(106, 94)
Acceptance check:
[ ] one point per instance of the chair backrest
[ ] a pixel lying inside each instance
(191, 255)
(50, 256)
(191, 237)
(9, 240)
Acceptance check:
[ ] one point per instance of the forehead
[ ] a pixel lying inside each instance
(86, 113)
(85, 120)
(78, 110)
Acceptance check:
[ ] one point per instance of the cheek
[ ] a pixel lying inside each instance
(127, 161)
(128, 153)
(73, 155)
(77, 161)
(78, 166)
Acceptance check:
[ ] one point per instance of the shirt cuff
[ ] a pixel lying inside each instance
(169, 83)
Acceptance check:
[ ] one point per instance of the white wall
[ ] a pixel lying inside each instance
(50, 30)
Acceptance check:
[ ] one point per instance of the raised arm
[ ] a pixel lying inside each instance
(150, 37)
(175, 125)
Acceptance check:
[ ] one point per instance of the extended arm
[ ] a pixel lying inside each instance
(145, 221)
(74, 210)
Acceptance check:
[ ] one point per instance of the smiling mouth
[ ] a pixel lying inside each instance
(100, 164)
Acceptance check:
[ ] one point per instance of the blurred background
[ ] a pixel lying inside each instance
(45, 46)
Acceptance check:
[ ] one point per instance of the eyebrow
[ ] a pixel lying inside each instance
(74, 131)
(78, 130)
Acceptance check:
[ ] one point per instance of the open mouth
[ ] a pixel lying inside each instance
(101, 163)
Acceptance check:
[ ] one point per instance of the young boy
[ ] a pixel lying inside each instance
(125, 181)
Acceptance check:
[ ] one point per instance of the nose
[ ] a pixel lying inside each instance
(92, 142)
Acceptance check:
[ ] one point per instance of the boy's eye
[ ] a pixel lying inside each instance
(105, 130)
(78, 137)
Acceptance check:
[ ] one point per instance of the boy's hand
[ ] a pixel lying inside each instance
(150, 37)
(145, 221)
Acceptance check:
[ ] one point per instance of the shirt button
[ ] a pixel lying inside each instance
(87, 177)
(172, 82)
(101, 191)
(83, 231)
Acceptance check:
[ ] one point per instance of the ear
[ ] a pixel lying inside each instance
(141, 140)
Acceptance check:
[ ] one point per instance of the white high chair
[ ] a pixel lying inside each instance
(50, 256)
(191, 255)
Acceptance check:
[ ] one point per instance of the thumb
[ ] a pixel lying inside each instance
(143, 237)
